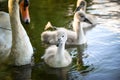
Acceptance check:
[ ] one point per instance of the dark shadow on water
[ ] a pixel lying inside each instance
(44, 72)
(21, 72)
(4, 6)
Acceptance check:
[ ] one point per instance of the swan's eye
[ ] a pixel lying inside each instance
(26, 3)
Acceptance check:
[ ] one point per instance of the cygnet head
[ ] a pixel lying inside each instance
(81, 4)
(62, 38)
(81, 16)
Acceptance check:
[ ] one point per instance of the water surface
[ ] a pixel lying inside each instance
(100, 57)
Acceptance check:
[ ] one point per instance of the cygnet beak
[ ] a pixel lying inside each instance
(88, 21)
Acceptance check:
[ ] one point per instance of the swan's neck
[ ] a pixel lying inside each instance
(21, 47)
(14, 13)
(81, 39)
(60, 52)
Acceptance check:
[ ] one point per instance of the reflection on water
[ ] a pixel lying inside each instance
(45, 72)
(99, 60)
(21, 73)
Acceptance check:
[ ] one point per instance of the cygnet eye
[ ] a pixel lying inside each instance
(82, 16)
(63, 36)
(58, 39)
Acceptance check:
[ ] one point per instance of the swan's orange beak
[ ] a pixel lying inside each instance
(24, 10)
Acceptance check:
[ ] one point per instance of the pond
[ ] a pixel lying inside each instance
(100, 57)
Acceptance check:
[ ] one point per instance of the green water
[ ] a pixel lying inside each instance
(43, 11)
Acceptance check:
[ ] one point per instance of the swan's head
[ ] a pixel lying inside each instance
(24, 10)
(62, 38)
(81, 16)
(81, 4)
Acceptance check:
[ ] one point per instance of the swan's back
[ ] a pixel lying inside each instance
(49, 53)
(49, 37)
(49, 57)
(5, 35)
(4, 20)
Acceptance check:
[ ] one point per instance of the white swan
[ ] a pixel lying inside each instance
(74, 37)
(57, 56)
(21, 50)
